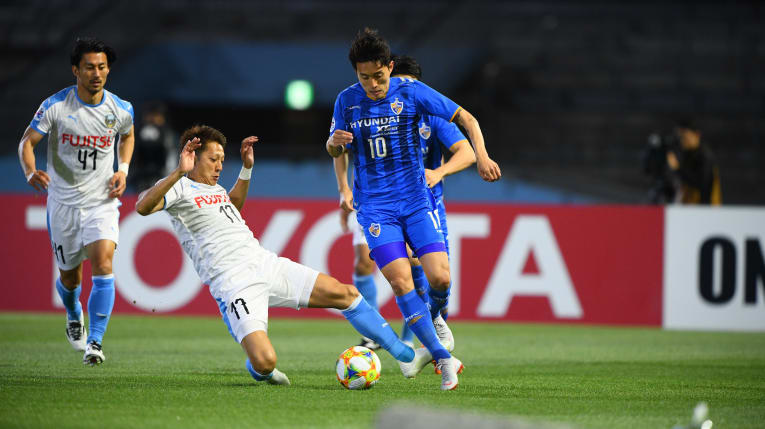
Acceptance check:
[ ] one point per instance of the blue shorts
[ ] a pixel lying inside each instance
(389, 227)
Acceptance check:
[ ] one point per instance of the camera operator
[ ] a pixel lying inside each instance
(694, 167)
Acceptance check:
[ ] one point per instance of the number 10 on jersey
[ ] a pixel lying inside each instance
(377, 148)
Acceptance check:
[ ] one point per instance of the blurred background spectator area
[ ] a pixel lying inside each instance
(566, 92)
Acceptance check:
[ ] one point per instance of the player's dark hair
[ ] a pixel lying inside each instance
(369, 46)
(86, 45)
(404, 64)
(205, 134)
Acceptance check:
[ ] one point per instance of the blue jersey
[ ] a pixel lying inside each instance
(388, 156)
(435, 132)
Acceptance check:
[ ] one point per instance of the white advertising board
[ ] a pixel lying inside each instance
(714, 270)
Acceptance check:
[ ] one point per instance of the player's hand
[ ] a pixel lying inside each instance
(117, 184)
(432, 177)
(340, 137)
(248, 156)
(186, 162)
(346, 200)
(489, 170)
(39, 180)
(337, 141)
(344, 221)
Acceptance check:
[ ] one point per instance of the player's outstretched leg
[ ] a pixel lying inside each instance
(330, 293)
(75, 323)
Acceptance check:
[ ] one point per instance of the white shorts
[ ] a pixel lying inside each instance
(71, 229)
(358, 231)
(247, 294)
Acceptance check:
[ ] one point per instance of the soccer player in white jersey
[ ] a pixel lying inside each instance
(82, 123)
(243, 276)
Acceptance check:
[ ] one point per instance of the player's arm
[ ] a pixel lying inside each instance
(340, 165)
(152, 200)
(487, 168)
(38, 179)
(239, 192)
(118, 181)
(337, 141)
(462, 157)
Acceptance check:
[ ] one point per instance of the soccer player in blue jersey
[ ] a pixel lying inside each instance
(434, 133)
(377, 119)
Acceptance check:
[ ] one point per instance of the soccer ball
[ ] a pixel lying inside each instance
(358, 368)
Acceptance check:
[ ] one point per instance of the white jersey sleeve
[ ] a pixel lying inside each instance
(212, 231)
(174, 194)
(81, 140)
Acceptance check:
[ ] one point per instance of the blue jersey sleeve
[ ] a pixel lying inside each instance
(431, 102)
(338, 121)
(446, 132)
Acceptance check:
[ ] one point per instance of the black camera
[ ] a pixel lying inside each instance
(664, 187)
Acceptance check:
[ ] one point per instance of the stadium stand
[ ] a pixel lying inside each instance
(566, 92)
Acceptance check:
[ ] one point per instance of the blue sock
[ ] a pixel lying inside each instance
(370, 324)
(438, 300)
(421, 285)
(415, 313)
(406, 333)
(367, 288)
(100, 306)
(255, 374)
(71, 299)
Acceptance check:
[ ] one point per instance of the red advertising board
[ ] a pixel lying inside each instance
(577, 264)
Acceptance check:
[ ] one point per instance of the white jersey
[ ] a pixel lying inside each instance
(212, 232)
(81, 141)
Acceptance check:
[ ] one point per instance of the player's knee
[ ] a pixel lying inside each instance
(352, 292)
(264, 361)
(440, 280)
(101, 266)
(344, 295)
(400, 285)
(71, 279)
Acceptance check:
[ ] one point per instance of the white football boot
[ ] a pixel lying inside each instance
(93, 354)
(449, 368)
(445, 336)
(421, 358)
(76, 334)
(278, 377)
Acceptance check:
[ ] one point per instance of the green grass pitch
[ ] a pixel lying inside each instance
(166, 372)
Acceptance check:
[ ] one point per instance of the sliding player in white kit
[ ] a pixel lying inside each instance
(245, 277)
(82, 123)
